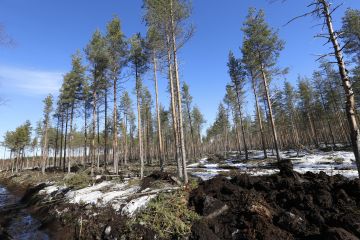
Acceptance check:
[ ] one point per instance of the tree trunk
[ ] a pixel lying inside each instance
(270, 114)
(45, 153)
(61, 139)
(349, 93)
(93, 155)
(85, 135)
(115, 137)
(125, 140)
(241, 121)
(71, 136)
(312, 129)
(173, 111)
(56, 139)
(98, 138)
(141, 151)
(259, 116)
(191, 130)
(181, 127)
(65, 138)
(106, 130)
(161, 152)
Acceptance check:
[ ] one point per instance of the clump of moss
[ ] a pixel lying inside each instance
(168, 216)
(77, 181)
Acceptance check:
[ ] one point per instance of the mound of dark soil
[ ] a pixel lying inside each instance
(157, 176)
(283, 206)
(31, 191)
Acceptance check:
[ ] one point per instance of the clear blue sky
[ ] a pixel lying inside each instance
(48, 32)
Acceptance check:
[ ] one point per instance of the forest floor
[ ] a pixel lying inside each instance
(264, 203)
(75, 206)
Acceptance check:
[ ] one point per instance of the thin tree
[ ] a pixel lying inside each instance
(117, 47)
(262, 45)
(48, 108)
(156, 47)
(97, 56)
(187, 101)
(237, 76)
(138, 60)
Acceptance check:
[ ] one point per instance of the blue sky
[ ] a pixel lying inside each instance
(48, 32)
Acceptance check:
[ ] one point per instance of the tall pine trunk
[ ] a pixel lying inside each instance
(259, 116)
(273, 128)
(106, 130)
(93, 150)
(161, 153)
(241, 121)
(173, 110)
(141, 150)
(65, 138)
(349, 93)
(115, 134)
(71, 137)
(177, 80)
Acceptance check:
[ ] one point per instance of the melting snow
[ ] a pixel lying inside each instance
(119, 195)
(136, 204)
(336, 162)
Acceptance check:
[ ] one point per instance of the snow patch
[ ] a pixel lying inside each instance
(136, 204)
(335, 162)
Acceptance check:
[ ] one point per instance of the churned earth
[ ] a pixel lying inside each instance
(286, 205)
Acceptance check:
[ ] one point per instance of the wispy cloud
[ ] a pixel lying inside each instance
(30, 81)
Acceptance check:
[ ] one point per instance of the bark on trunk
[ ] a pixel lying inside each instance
(181, 129)
(259, 116)
(115, 137)
(161, 152)
(273, 128)
(349, 93)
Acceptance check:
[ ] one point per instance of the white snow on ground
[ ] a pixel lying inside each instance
(136, 205)
(335, 162)
(338, 162)
(49, 189)
(119, 195)
(104, 193)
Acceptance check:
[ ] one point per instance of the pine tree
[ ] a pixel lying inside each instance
(253, 73)
(48, 108)
(187, 101)
(290, 102)
(351, 33)
(323, 10)
(320, 90)
(199, 121)
(306, 97)
(237, 76)
(97, 56)
(262, 45)
(169, 17)
(74, 93)
(156, 50)
(126, 108)
(230, 100)
(118, 54)
(139, 63)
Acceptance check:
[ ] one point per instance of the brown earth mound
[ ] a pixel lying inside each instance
(156, 177)
(287, 205)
